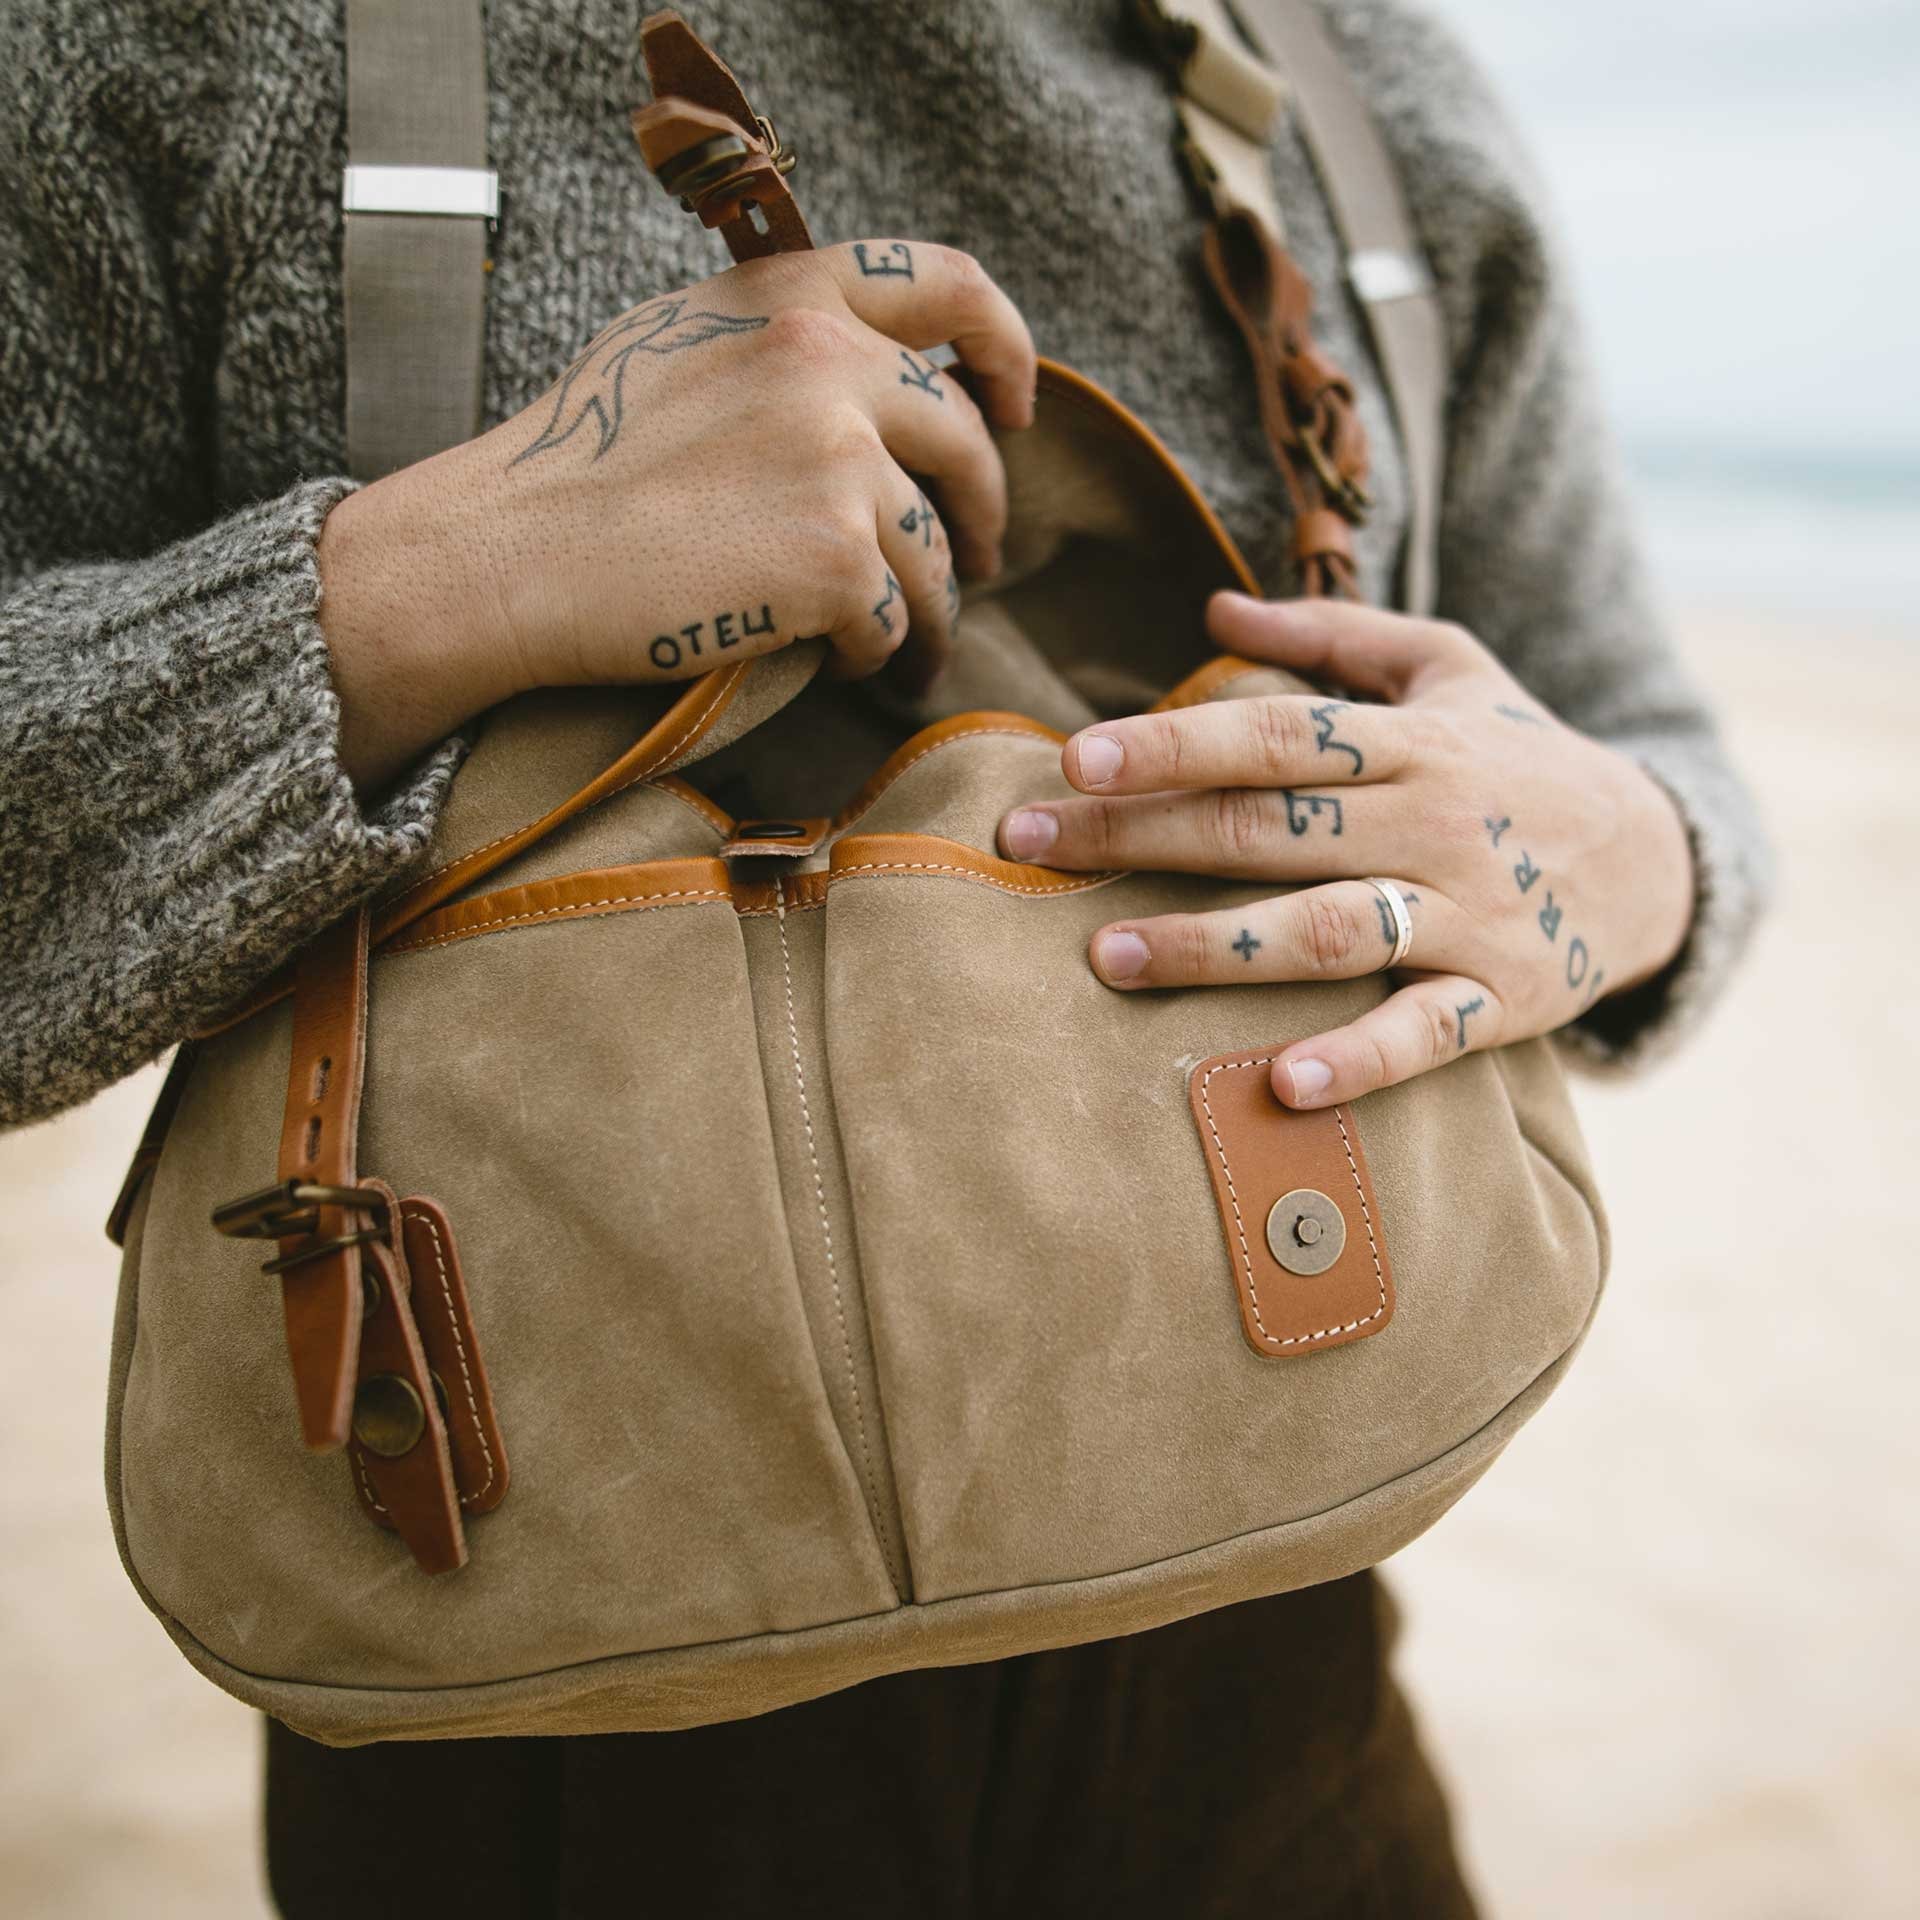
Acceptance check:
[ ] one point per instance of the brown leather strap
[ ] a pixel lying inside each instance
(321, 1295)
(351, 1335)
(703, 140)
(402, 1465)
(1306, 402)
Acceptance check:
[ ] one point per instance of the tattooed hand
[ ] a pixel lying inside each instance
(723, 470)
(1541, 869)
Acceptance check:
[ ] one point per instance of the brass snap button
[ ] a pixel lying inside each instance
(388, 1418)
(1306, 1232)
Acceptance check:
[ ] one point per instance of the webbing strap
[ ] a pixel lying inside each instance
(415, 281)
(1386, 265)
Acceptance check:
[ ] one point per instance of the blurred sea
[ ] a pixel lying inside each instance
(1736, 182)
(1805, 537)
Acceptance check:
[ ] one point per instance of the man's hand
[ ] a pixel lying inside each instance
(725, 469)
(1542, 869)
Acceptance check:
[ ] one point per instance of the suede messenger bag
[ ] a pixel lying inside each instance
(823, 1274)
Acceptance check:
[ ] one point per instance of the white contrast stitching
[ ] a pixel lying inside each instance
(970, 873)
(366, 1485)
(459, 1346)
(1240, 1225)
(699, 812)
(573, 909)
(826, 1235)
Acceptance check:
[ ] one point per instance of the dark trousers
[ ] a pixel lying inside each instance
(1258, 1760)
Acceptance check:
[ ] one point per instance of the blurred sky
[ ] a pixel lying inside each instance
(1740, 185)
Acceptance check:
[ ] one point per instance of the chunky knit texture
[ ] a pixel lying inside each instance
(173, 816)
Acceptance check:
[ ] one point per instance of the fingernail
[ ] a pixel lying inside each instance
(1100, 758)
(1310, 1078)
(1120, 956)
(1028, 834)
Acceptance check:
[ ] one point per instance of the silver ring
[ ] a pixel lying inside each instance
(1402, 918)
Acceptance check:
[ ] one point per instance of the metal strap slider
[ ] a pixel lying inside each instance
(468, 193)
(292, 1208)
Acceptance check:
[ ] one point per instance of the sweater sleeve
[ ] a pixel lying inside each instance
(174, 819)
(1539, 555)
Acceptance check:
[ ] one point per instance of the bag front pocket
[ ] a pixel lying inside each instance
(1056, 1319)
(584, 1098)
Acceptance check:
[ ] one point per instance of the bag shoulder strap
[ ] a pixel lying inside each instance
(420, 209)
(1386, 266)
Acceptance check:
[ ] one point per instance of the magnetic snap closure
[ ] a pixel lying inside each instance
(1306, 1232)
(388, 1418)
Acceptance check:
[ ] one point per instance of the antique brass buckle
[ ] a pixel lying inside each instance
(292, 1208)
(1349, 497)
(715, 166)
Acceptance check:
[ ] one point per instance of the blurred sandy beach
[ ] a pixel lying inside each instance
(1665, 1651)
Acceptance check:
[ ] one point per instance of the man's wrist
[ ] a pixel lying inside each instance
(411, 620)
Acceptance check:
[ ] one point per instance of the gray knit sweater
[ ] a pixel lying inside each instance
(173, 815)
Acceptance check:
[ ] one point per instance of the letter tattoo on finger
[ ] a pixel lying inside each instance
(883, 608)
(668, 651)
(1303, 809)
(1323, 724)
(896, 263)
(1388, 931)
(921, 377)
(919, 518)
(1462, 1014)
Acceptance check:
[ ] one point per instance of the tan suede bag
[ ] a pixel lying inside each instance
(824, 1274)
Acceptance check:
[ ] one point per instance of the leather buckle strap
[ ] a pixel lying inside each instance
(708, 147)
(361, 1370)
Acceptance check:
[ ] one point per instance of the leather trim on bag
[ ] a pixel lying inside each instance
(695, 801)
(666, 741)
(680, 727)
(943, 733)
(1076, 387)
(1258, 1150)
(1204, 683)
(910, 855)
(574, 896)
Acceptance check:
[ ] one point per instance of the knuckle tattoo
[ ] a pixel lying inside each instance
(883, 259)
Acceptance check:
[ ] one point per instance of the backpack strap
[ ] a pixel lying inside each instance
(421, 208)
(1386, 266)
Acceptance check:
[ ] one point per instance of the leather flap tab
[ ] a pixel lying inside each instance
(1303, 1230)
